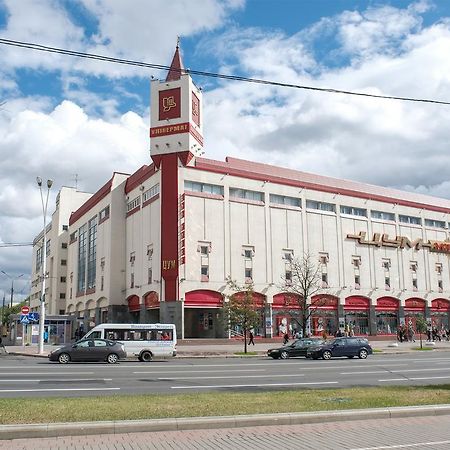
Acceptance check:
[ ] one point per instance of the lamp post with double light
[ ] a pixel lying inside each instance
(44, 263)
(12, 284)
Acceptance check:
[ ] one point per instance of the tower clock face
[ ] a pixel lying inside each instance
(170, 104)
(195, 110)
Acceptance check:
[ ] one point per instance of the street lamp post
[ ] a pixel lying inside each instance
(44, 263)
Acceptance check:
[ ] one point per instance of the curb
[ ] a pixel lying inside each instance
(47, 430)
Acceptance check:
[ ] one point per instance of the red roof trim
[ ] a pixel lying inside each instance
(138, 177)
(96, 198)
(289, 177)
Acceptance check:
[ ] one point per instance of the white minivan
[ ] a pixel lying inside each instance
(145, 341)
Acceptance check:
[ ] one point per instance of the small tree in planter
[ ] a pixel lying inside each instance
(241, 309)
(421, 327)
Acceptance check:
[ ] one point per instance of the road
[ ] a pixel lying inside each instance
(24, 376)
(424, 433)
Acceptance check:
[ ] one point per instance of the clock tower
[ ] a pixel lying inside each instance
(176, 137)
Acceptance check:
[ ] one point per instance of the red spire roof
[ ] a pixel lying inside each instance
(177, 65)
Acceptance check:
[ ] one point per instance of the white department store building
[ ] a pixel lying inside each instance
(158, 245)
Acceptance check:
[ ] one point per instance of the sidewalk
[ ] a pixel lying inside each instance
(228, 348)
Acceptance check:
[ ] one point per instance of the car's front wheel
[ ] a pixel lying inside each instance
(146, 356)
(63, 358)
(112, 358)
(363, 354)
(326, 354)
(284, 355)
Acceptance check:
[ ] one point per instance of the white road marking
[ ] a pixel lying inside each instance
(233, 376)
(46, 373)
(418, 444)
(415, 379)
(53, 380)
(59, 390)
(209, 371)
(252, 385)
(394, 370)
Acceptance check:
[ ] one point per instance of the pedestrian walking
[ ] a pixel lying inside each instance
(285, 338)
(250, 340)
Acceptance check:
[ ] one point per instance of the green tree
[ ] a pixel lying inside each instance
(7, 311)
(304, 279)
(241, 309)
(421, 327)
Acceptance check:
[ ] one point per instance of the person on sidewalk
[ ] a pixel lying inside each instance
(250, 340)
(285, 338)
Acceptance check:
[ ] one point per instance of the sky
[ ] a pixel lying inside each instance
(76, 120)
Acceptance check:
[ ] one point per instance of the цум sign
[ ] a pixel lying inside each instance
(382, 240)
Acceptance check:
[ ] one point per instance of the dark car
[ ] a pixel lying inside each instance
(344, 346)
(297, 348)
(89, 350)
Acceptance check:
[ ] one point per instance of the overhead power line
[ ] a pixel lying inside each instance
(15, 244)
(44, 48)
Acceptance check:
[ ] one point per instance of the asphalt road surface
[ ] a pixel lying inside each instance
(25, 377)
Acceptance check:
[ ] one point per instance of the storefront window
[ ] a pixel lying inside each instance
(357, 322)
(387, 322)
(324, 321)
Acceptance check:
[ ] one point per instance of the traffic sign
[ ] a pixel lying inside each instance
(25, 310)
(33, 317)
(24, 319)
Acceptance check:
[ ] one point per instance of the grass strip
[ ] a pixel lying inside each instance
(156, 406)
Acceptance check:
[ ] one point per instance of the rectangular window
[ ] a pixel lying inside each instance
(440, 288)
(82, 255)
(102, 282)
(439, 268)
(38, 258)
(150, 193)
(409, 219)
(283, 200)
(382, 215)
(103, 214)
(195, 186)
(357, 281)
(387, 283)
(47, 248)
(312, 204)
(64, 262)
(62, 279)
(356, 260)
(62, 312)
(65, 227)
(150, 252)
(386, 263)
(205, 271)
(150, 275)
(133, 203)
(434, 223)
(414, 283)
(324, 279)
(352, 211)
(204, 250)
(246, 194)
(62, 295)
(132, 280)
(248, 253)
(73, 237)
(92, 253)
(64, 245)
(248, 274)
(132, 258)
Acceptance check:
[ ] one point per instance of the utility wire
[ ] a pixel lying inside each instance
(15, 244)
(129, 62)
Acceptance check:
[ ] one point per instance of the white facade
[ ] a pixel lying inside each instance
(67, 201)
(176, 230)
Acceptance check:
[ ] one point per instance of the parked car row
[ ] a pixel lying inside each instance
(316, 348)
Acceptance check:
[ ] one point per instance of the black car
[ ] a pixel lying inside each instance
(344, 346)
(89, 350)
(297, 348)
